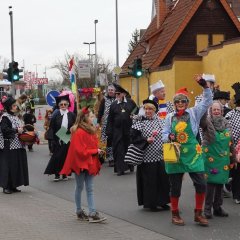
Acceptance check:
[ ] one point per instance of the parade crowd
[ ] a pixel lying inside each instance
(205, 139)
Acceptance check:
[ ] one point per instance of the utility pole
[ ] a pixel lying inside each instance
(12, 47)
(96, 82)
(117, 46)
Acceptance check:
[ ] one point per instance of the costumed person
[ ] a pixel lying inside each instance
(158, 96)
(31, 104)
(217, 151)
(223, 98)
(13, 156)
(20, 103)
(102, 120)
(233, 118)
(118, 128)
(48, 135)
(152, 180)
(63, 118)
(29, 118)
(182, 127)
(82, 159)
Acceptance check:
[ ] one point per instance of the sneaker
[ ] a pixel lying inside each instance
(96, 218)
(64, 178)
(82, 215)
(56, 179)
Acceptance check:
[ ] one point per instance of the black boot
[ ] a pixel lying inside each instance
(220, 212)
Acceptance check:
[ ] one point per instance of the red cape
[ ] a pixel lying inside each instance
(82, 154)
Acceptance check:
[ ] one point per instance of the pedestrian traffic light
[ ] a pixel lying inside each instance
(138, 68)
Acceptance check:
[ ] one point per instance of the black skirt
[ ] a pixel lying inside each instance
(58, 158)
(153, 188)
(13, 168)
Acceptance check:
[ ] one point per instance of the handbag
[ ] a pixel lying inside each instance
(134, 155)
(171, 152)
(48, 135)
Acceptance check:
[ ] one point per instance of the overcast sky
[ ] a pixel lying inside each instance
(44, 30)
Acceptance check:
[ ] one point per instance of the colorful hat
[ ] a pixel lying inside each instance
(209, 77)
(151, 102)
(221, 95)
(182, 91)
(156, 86)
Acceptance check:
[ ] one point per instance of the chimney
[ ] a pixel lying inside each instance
(161, 11)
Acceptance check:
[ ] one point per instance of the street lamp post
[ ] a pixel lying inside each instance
(89, 53)
(96, 82)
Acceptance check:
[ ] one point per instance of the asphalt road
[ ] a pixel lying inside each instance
(116, 196)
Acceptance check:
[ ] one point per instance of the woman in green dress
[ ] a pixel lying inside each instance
(182, 126)
(217, 148)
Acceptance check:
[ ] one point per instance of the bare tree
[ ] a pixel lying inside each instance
(63, 67)
(134, 40)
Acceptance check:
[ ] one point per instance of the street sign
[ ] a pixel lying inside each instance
(84, 69)
(117, 70)
(40, 81)
(50, 98)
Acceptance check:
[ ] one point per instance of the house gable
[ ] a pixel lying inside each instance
(209, 20)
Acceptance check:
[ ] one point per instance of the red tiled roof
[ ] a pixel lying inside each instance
(166, 36)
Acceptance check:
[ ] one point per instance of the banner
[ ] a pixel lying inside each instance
(84, 69)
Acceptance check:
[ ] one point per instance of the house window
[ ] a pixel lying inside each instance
(217, 38)
(202, 42)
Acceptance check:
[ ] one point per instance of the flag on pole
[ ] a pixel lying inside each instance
(72, 75)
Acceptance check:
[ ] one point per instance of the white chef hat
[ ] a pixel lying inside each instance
(209, 77)
(156, 86)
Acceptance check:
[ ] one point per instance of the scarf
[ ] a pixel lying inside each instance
(210, 125)
(64, 113)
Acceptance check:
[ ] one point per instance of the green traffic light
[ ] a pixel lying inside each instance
(15, 77)
(139, 73)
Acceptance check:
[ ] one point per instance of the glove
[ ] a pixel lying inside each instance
(171, 136)
(202, 82)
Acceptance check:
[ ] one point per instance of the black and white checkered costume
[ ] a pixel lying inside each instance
(108, 102)
(153, 152)
(233, 118)
(16, 123)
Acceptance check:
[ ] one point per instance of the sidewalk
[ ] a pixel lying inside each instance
(35, 215)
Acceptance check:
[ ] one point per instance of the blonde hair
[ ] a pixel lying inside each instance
(82, 121)
(150, 105)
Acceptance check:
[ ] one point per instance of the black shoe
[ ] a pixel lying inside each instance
(220, 213)
(131, 168)
(120, 173)
(7, 191)
(208, 215)
(15, 190)
(165, 207)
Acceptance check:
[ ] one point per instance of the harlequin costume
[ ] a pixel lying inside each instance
(217, 146)
(151, 178)
(13, 156)
(233, 118)
(184, 125)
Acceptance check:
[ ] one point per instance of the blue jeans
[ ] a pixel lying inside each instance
(88, 179)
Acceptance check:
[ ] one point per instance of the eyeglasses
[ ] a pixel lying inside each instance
(63, 104)
(181, 101)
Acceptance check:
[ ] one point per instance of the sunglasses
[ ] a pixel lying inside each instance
(181, 101)
(117, 93)
(63, 104)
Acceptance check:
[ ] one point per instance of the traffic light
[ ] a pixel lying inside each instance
(136, 68)
(15, 72)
